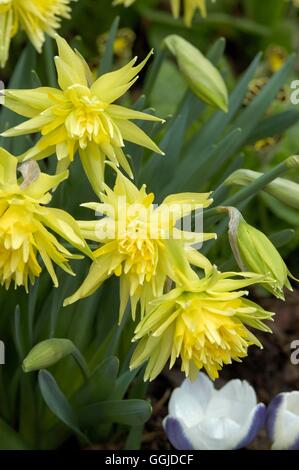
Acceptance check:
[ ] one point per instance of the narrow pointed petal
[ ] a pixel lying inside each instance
(133, 133)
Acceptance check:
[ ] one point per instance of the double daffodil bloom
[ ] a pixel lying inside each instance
(203, 324)
(81, 116)
(190, 7)
(140, 243)
(24, 223)
(35, 17)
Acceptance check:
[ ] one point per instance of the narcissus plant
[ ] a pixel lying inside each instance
(80, 115)
(204, 323)
(140, 243)
(24, 227)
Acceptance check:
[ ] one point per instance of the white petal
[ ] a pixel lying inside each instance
(236, 399)
(174, 429)
(214, 434)
(211, 419)
(202, 389)
(283, 421)
(255, 422)
(184, 406)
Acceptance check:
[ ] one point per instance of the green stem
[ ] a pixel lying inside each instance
(255, 186)
(76, 354)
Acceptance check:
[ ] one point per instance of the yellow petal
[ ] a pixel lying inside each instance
(44, 183)
(133, 133)
(8, 168)
(28, 127)
(120, 112)
(29, 103)
(112, 85)
(92, 160)
(65, 225)
(98, 273)
(70, 61)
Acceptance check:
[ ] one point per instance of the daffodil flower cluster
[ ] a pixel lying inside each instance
(184, 307)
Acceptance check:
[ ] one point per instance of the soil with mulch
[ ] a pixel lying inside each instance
(269, 371)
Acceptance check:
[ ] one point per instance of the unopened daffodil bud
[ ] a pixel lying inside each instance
(285, 190)
(47, 353)
(255, 252)
(200, 74)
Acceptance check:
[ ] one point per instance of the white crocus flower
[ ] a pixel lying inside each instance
(283, 421)
(203, 418)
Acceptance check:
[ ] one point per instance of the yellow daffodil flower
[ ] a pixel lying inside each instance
(80, 115)
(140, 243)
(24, 223)
(35, 17)
(190, 7)
(204, 324)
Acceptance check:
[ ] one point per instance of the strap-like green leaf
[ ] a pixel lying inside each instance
(130, 412)
(57, 402)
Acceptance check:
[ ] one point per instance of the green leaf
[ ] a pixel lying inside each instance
(57, 402)
(213, 20)
(190, 169)
(282, 238)
(123, 382)
(21, 78)
(249, 118)
(213, 129)
(107, 59)
(18, 333)
(274, 125)
(165, 166)
(130, 412)
(281, 211)
(48, 57)
(100, 384)
(9, 439)
(260, 11)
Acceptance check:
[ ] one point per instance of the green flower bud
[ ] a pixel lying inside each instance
(200, 74)
(47, 353)
(285, 190)
(254, 251)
